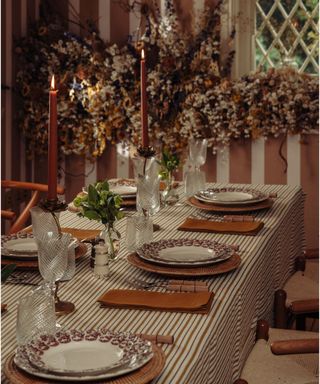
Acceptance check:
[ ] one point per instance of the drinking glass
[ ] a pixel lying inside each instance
(65, 307)
(35, 315)
(55, 253)
(198, 152)
(195, 179)
(148, 183)
(44, 222)
(139, 231)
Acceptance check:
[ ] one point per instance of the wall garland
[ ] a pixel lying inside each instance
(189, 90)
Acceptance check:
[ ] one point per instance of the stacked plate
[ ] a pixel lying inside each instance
(19, 246)
(21, 249)
(231, 196)
(126, 188)
(77, 355)
(185, 252)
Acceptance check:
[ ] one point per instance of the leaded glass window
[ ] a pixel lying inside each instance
(287, 32)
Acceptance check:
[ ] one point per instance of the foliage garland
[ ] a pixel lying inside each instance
(189, 93)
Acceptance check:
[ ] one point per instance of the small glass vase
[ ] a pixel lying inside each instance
(111, 238)
(169, 195)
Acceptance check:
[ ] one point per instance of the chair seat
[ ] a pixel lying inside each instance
(263, 367)
(309, 280)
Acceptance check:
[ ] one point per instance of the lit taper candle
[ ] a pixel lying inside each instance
(144, 112)
(52, 142)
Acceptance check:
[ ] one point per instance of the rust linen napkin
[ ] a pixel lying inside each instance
(231, 227)
(199, 302)
(82, 234)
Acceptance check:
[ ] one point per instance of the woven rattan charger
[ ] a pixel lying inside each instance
(234, 208)
(204, 270)
(142, 375)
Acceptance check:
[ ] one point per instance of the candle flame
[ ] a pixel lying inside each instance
(53, 83)
(142, 54)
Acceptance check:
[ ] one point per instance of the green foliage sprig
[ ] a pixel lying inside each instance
(99, 204)
(169, 163)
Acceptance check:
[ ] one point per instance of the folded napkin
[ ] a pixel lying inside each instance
(163, 185)
(232, 227)
(187, 288)
(238, 218)
(161, 339)
(195, 283)
(199, 302)
(82, 234)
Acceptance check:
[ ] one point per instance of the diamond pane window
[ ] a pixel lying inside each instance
(287, 32)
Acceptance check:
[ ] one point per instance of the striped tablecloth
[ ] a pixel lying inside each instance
(208, 348)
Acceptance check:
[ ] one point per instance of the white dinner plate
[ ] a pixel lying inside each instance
(84, 356)
(231, 196)
(124, 190)
(21, 245)
(27, 245)
(185, 252)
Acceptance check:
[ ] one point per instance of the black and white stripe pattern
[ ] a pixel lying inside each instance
(208, 348)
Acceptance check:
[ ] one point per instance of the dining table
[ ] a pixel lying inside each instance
(208, 348)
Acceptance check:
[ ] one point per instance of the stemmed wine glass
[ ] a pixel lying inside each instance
(148, 181)
(65, 307)
(148, 195)
(53, 259)
(198, 152)
(195, 179)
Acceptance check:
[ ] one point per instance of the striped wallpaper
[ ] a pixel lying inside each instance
(244, 162)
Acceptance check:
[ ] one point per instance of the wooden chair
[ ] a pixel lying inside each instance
(282, 356)
(36, 192)
(299, 298)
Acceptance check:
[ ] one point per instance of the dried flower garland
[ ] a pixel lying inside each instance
(189, 93)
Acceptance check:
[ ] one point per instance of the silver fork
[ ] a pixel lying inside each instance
(208, 216)
(138, 283)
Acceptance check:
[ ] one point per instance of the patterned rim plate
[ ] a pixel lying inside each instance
(126, 188)
(231, 196)
(84, 355)
(185, 252)
(22, 245)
